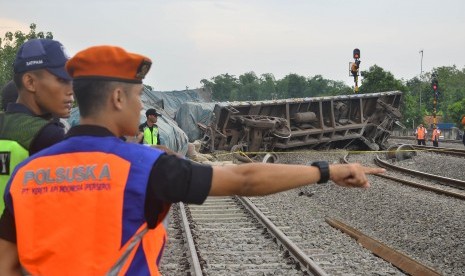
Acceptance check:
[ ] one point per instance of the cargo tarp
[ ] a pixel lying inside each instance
(189, 114)
(171, 135)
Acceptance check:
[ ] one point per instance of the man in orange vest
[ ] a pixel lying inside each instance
(94, 180)
(420, 133)
(435, 136)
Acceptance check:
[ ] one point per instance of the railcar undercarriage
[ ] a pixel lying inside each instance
(360, 121)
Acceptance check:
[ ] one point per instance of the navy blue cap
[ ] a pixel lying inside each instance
(37, 54)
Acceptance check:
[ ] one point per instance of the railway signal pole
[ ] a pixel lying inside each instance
(353, 68)
(421, 74)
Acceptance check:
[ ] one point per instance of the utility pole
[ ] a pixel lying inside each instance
(421, 75)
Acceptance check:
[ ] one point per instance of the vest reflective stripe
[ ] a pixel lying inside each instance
(122, 264)
(151, 138)
(152, 246)
(94, 219)
(421, 133)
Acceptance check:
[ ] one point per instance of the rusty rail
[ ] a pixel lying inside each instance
(398, 259)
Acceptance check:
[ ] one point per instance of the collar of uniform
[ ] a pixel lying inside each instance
(89, 130)
(21, 108)
(18, 108)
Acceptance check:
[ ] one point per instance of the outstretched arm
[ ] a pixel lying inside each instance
(263, 179)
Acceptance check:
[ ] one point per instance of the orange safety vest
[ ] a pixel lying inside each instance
(421, 131)
(82, 212)
(463, 121)
(435, 135)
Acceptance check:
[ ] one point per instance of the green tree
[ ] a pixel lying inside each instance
(224, 87)
(412, 110)
(378, 80)
(10, 44)
(267, 87)
(249, 87)
(293, 86)
(451, 92)
(319, 86)
(455, 112)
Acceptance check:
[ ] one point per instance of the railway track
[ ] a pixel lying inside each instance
(431, 184)
(226, 264)
(441, 150)
(435, 183)
(447, 181)
(399, 259)
(411, 138)
(231, 236)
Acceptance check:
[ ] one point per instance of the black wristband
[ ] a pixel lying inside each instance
(323, 166)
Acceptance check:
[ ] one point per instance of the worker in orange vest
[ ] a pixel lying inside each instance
(420, 133)
(435, 136)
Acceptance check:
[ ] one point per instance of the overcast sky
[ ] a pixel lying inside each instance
(190, 40)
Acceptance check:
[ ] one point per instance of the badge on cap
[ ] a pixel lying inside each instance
(143, 69)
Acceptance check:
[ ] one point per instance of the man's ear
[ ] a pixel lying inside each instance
(29, 81)
(118, 98)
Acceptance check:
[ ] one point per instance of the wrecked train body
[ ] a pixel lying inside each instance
(360, 121)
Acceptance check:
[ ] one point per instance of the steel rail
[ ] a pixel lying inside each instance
(441, 150)
(379, 162)
(422, 186)
(398, 259)
(413, 138)
(306, 263)
(195, 263)
(455, 182)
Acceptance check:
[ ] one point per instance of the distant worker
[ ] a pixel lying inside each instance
(93, 204)
(149, 129)
(420, 133)
(435, 136)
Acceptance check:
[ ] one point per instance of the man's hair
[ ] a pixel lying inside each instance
(91, 95)
(18, 77)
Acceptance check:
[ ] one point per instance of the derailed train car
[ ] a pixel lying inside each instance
(359, 121)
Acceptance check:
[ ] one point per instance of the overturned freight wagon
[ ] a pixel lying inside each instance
(360, 121)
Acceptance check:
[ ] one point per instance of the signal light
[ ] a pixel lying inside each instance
(434, 84)
(356, 53)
